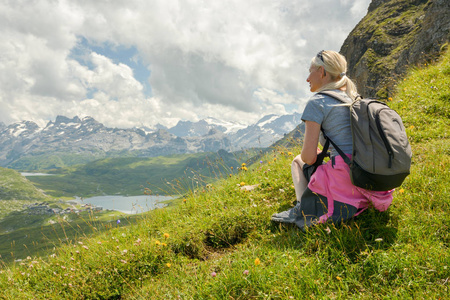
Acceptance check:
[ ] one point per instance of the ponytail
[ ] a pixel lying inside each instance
(335, 64)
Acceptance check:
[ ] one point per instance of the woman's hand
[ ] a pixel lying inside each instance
(310, 142)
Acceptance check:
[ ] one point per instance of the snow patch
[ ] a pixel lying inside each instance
(270, 120)
(230, 126)
(76, 125)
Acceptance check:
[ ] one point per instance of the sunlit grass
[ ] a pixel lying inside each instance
(218, 241)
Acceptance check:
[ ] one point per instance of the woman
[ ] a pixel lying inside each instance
(325, 192)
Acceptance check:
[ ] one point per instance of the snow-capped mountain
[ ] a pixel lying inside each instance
(202, 127)
(87, 137)
(266, 131)
(231, 127)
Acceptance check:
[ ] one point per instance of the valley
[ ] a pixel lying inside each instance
(38, 213)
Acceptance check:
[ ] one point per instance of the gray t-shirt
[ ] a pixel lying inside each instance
(334, 119)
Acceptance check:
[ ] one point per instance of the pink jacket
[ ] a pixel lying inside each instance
(334, 183)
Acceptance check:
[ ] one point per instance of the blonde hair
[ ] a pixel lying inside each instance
(335, 64)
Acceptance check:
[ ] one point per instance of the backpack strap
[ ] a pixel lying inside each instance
(341, 153)
(321, 156)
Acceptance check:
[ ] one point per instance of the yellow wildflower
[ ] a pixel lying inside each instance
(338, 278)
(168, 265)
(166, 235)
(242, 183)
(257, 262)
(243, 165)
(390, 98)
(157, 242)
(401, 191)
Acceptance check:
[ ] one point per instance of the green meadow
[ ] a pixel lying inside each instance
(218, 242)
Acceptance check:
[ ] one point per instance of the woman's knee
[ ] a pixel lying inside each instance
(298, 162)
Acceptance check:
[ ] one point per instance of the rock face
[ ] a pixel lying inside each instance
(394, 35)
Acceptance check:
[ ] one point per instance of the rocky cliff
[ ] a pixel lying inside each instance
(393, 36)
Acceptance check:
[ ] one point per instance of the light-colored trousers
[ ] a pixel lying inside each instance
(299, 179)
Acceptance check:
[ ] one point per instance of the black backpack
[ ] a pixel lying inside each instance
(381, 157)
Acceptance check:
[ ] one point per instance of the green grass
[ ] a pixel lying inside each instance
(23, 235)
(15, 192)
(219, 243)
(13, 186)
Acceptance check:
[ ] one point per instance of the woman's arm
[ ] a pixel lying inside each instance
(310, 142)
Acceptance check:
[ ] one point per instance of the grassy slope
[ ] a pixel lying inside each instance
(23, 235)
(16, 191)
(219, 243)
(13, 186)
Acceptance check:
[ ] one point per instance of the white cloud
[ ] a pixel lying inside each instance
(115, 80)
(230, 59)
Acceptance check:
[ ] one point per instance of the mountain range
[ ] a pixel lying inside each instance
(67, 141)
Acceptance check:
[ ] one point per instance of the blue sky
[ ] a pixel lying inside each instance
(117, 54)
(144, 62)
